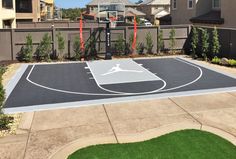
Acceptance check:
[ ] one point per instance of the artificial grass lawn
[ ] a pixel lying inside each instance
(186, 144)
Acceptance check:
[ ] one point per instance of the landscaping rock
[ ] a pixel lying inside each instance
(224, 61)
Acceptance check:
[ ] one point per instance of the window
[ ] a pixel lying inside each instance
(216, 4)
(190, 4)
(7, 24)
(23, 6)
(174, 4)
(7, 4)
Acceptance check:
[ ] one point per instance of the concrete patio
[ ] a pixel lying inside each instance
(57, 133)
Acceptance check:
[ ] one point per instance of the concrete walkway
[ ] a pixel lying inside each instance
(56, 133)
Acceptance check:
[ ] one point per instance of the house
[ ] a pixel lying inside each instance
(155, 9)
(130, 9)
(46, 9)
(7, 14)
(204, 12)
(27, 10)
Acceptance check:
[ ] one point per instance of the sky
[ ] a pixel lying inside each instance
(74, 3)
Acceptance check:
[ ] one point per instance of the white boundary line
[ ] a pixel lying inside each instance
(114, 101)
(207, 67)
(15, 79)
(116, 93)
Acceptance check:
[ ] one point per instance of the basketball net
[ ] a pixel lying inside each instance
(113, 21)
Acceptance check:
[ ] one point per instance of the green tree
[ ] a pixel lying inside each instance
(27, 51)
(119, 45)
(61, 45)
(160, 41)
(194, 42)
(71, 13)
(215, 42)
(205, 43)
(77, 48)
(45, 48)
(149, 42)
(172, 40)
(90, 47)
(140, 48)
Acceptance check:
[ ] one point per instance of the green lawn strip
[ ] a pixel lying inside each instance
(186, 144)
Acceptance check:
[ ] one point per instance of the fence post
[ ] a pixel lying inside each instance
(189, 29)
(54, 51)
(12, 44)
(158, 33)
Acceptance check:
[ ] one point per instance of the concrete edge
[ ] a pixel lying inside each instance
(68, 149)
(15, 79)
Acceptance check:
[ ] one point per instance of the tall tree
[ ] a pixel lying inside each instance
(71, 13)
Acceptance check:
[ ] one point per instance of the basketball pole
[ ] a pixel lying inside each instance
(108, 55)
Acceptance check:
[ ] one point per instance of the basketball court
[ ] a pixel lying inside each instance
(51, 86)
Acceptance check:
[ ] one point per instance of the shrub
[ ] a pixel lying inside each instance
(172, 40)
(130, 42)
(215, 42)
(215, 60)
(77, 49)
(26, 53)
(140, 48)
(149, 42)
(2, 91)
(160, 41)
(205, 43)
(61, 45)
(5, 120)
(119, 45)
(44, 49)
(194, 42)
(232, 62)
(92, 43)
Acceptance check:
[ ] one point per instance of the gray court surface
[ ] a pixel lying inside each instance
(49, 86)
(119, 71)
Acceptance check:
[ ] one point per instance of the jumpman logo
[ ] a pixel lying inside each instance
(117, 68)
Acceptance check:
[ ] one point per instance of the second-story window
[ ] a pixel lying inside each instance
(190, 4)
(7, 4)
(174, 4)
(216, 4)
(24, 6)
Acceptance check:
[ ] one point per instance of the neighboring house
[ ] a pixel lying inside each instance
(27, 10)
(7, 14)
(130, 9)
(130, 13)
(46, 9)
(155, 9)
(204, 12)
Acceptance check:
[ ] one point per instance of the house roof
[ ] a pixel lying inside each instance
(131, 11)
(212, 17)
(125, 2)
(156, 2)
(160, 13)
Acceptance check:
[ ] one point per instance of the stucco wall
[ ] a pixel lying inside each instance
(7, 14)
(182, 14)
(228, 12)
